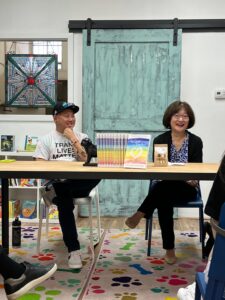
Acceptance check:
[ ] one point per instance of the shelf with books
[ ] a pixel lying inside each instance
(26, 192)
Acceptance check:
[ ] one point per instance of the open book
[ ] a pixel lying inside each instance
(137, 151)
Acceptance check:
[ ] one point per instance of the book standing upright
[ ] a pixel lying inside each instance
(30, 143)
(137, 150)
(7, 143)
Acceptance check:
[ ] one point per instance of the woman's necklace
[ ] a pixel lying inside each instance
(178, 141)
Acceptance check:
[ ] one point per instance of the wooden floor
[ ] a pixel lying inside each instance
(119, 223)
(188, 224)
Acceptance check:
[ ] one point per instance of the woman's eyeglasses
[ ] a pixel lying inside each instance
(183, 117)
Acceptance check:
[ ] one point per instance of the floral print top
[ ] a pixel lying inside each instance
(181, 155)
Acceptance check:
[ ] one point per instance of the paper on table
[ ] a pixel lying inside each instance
(176, 164)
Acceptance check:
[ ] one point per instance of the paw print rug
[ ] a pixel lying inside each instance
(123, 270)
(66, 283)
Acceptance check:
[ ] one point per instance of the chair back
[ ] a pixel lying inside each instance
(217, 268)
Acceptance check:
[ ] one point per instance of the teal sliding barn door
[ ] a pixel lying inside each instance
(129, 78)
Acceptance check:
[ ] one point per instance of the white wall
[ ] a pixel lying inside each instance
(203, 54)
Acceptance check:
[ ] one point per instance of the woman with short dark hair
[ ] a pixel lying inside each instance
(183, 147)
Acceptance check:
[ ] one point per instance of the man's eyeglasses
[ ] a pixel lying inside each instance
(183, 117)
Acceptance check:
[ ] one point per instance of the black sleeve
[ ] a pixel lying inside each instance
(196, 152)
(217, 194)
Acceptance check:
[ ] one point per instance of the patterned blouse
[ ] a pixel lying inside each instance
(181, 155)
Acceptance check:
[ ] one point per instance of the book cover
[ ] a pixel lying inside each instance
(30, 143)
(28, 182)
(8, 143)
(28, 209)
(160, 155)
(137, 150)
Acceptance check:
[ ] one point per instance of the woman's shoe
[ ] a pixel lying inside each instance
(134, 220)
(170, 260)
(170, 257)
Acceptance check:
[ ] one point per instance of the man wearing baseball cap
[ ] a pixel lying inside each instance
(64, 143)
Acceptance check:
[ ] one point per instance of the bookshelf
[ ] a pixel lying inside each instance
(26, 194)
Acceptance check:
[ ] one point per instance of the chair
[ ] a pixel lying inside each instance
(215, 287)
(196, 203)
(94, 195)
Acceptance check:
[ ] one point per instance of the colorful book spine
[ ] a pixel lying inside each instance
(111, 148)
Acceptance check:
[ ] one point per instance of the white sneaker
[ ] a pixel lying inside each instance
(75, 261)
(187, 293)
(48, 194)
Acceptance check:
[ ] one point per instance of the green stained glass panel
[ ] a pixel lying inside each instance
(31, 80)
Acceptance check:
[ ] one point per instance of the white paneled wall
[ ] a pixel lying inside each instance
(203, 57)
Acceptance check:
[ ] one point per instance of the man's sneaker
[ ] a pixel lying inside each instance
(75, 261)
(187, 293)
(48, 194)
(32, 276)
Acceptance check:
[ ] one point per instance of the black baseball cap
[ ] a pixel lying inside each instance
(61, 106)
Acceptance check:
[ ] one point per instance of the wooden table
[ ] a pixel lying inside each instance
(76, 170)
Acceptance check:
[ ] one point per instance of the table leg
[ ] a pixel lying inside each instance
(5, 214)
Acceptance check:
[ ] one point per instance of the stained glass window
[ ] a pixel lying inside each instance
(31, 80)
(49, 47)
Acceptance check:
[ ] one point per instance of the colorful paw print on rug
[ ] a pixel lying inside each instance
(105, 264)
(157, 264)
(28, 233)
(189, 234)
(156, 260)
(192, 264)
(96, 276)
(36, 295)
(106, 251)
(125, 281)
(127, 257)
(118, 271)
(126, 296)
(106, 242)
(44, 257)
(72, 282)
(161, 289)
(28, 229)
(101, 256)
(173, 280)
(96, 289)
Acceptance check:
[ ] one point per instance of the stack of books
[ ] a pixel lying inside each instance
(111, 149)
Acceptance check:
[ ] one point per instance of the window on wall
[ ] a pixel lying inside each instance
(49, 47)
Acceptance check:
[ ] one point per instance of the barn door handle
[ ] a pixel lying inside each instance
(175, 31)
(89, 25)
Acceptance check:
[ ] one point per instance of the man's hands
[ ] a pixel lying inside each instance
(68, 132)
(193, 183)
